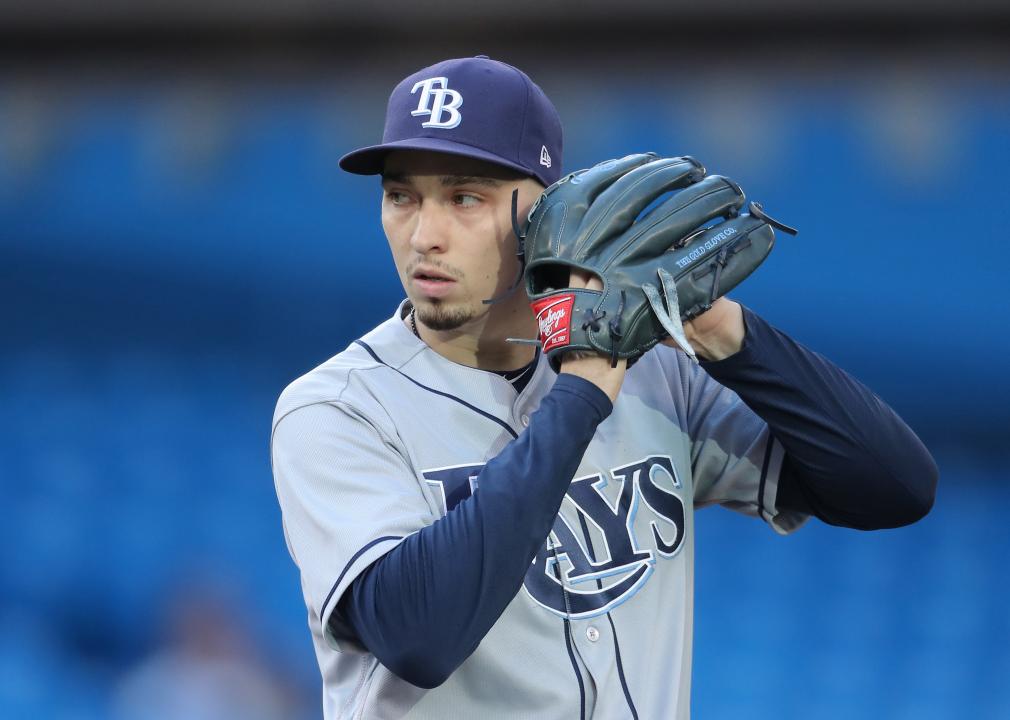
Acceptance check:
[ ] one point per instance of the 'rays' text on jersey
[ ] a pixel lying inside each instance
(594, 559)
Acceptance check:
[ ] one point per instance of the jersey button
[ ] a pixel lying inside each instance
(525, 420)
(592, 633)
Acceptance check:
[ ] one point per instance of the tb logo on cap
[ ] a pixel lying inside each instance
(432, 103)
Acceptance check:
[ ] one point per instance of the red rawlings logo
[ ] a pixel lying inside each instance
(554, 315)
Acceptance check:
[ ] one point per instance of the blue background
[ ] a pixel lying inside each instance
(173, 253)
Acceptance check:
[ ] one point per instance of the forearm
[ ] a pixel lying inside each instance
(423, 608)
(851, 460)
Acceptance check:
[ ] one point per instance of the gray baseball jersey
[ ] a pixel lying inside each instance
(370, 447)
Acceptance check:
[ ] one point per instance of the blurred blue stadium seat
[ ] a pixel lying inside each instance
(165, 307)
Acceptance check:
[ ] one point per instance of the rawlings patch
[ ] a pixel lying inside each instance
(554, 316)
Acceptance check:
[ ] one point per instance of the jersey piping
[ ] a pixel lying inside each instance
(363, 550)
(764, 476)
(461, 401)
(489, 416)
(613, 628)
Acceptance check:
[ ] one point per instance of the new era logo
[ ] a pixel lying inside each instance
(545, 157)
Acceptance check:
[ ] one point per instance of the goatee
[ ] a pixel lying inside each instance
(444, 318)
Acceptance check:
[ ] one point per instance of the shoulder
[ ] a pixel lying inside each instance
(346, 378)
(326, 383)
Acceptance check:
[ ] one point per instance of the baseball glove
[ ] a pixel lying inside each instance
(658, 270)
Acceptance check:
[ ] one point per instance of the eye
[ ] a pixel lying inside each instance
(466, 200)
(397, 198)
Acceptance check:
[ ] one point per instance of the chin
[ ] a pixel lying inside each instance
(438, 315)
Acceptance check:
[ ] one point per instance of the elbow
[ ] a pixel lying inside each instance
(922, 489)
(912, 496)
(909, 512)
(420, 669)
(916, 472)
(887, 499)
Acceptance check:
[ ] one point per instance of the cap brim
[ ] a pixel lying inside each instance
(371, 160)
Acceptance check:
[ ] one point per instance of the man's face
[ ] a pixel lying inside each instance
(448, 222)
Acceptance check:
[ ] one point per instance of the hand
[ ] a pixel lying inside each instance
(592, 366)
(693, 247)
(717, 333)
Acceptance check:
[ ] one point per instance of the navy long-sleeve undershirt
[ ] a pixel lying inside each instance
(423, 608)
(850, 460)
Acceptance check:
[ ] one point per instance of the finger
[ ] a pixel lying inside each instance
(675, 218)
(716, 261)
(565, 203)
(581, 278)
(736, 231)
(598, 178)
(619, 205)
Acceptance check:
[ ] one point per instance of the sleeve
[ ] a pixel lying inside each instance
(425, 606)
(347, 497)
(735, 459)
(850, 459)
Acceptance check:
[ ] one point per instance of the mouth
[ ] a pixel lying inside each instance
(431, 275)
(431, 283)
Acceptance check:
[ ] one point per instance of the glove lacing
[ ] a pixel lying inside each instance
(591, 319)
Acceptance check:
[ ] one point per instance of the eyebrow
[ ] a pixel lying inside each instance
(455, 180)
(447, 180)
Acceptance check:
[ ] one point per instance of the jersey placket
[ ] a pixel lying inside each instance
(596, 644)
(527, 401)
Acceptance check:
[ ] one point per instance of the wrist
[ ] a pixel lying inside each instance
(718, 340)
(600, 405)
(596, 369)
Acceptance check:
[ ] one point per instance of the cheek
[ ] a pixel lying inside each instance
(398, 246)
(498, 258)
(508, 244)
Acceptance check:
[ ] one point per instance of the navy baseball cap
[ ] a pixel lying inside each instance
(476, 107)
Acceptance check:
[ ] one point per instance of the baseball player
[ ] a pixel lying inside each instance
(485, 529)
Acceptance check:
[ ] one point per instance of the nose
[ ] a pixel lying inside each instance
(429, 235)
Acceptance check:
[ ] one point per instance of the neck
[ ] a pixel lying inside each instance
(481, 343)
